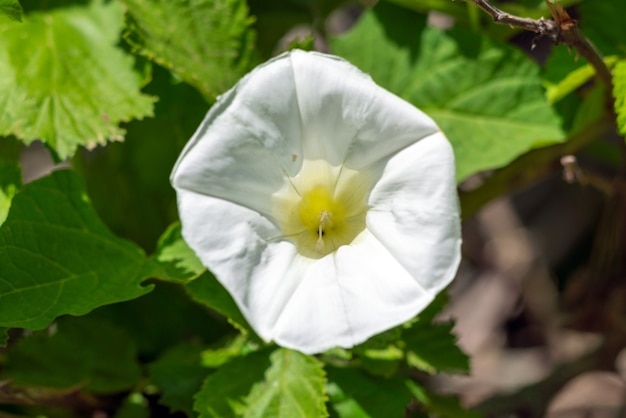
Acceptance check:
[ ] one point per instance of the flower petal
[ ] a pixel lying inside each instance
(346, 298)
(414, 211)
(347, 118)
(253, 127)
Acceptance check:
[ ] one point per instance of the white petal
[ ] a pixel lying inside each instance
(414, 211)
(249, 139)
(347, 118)
(347, 297)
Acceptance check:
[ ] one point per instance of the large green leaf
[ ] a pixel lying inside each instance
(619, 91)
(12, 9)
(207, 43)
(354, 394)
(293, 388)
(223, 393)
(486, 96)
(179, 374)
(63, 80)
(56, 257)
(82, 352)
(10, 181)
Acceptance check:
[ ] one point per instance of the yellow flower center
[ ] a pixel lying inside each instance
(322, 207)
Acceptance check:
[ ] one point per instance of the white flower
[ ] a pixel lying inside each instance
(323, 203)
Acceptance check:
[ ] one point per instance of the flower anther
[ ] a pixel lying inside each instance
(324, 204)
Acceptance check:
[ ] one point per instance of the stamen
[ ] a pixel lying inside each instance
(325, 221)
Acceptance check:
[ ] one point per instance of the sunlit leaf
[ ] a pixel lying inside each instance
(81, 352)
(223, 393)
(63, 80)
(486, 96)
(619, 91)
(293, 388)
(207, 43)
(10, 181)
(56, 257)
(173, 253)
(432, 348)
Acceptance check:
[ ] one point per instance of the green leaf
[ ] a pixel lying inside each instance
(293, 387)
(486, 96)
(134, 406)
(574, 80)
(207, 43)
(163, 319)
(354, 394)
(207, 291)
(10, 181)
(619, 91)
(438, 405)
(82, 352)
(179, 374)
(12, 9)
(178, 260)
(63, 80)
(223, 393)
(601, 21)
(56, 257)
(432, 348)
(4, 336)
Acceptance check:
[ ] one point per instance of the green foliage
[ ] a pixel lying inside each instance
(10, 181)
(179, 374)
(78, 352)
(223, 393)
(432, 348)
(619, 82)
(477, 90)
(4, 336)
(41, 277)
(68, 96)
(293, 387)
(598, 21)
(438, 405)
(354, 394)
(210, 293)
(178, 260)
(12, 9)
(207, 43)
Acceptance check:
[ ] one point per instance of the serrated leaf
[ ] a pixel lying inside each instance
(10, 181)
(56, 257)
(207, 291)
(179, 375)
(354, 394)
(12, 9)
(71, 86)
(619, 92)
(82, 352)
(433, 349)
(293, 387)
(486, 96)
(223, 393)
(439, 406)
(207, 43)
(178, 260)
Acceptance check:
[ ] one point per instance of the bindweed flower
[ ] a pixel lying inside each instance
(324, 204)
